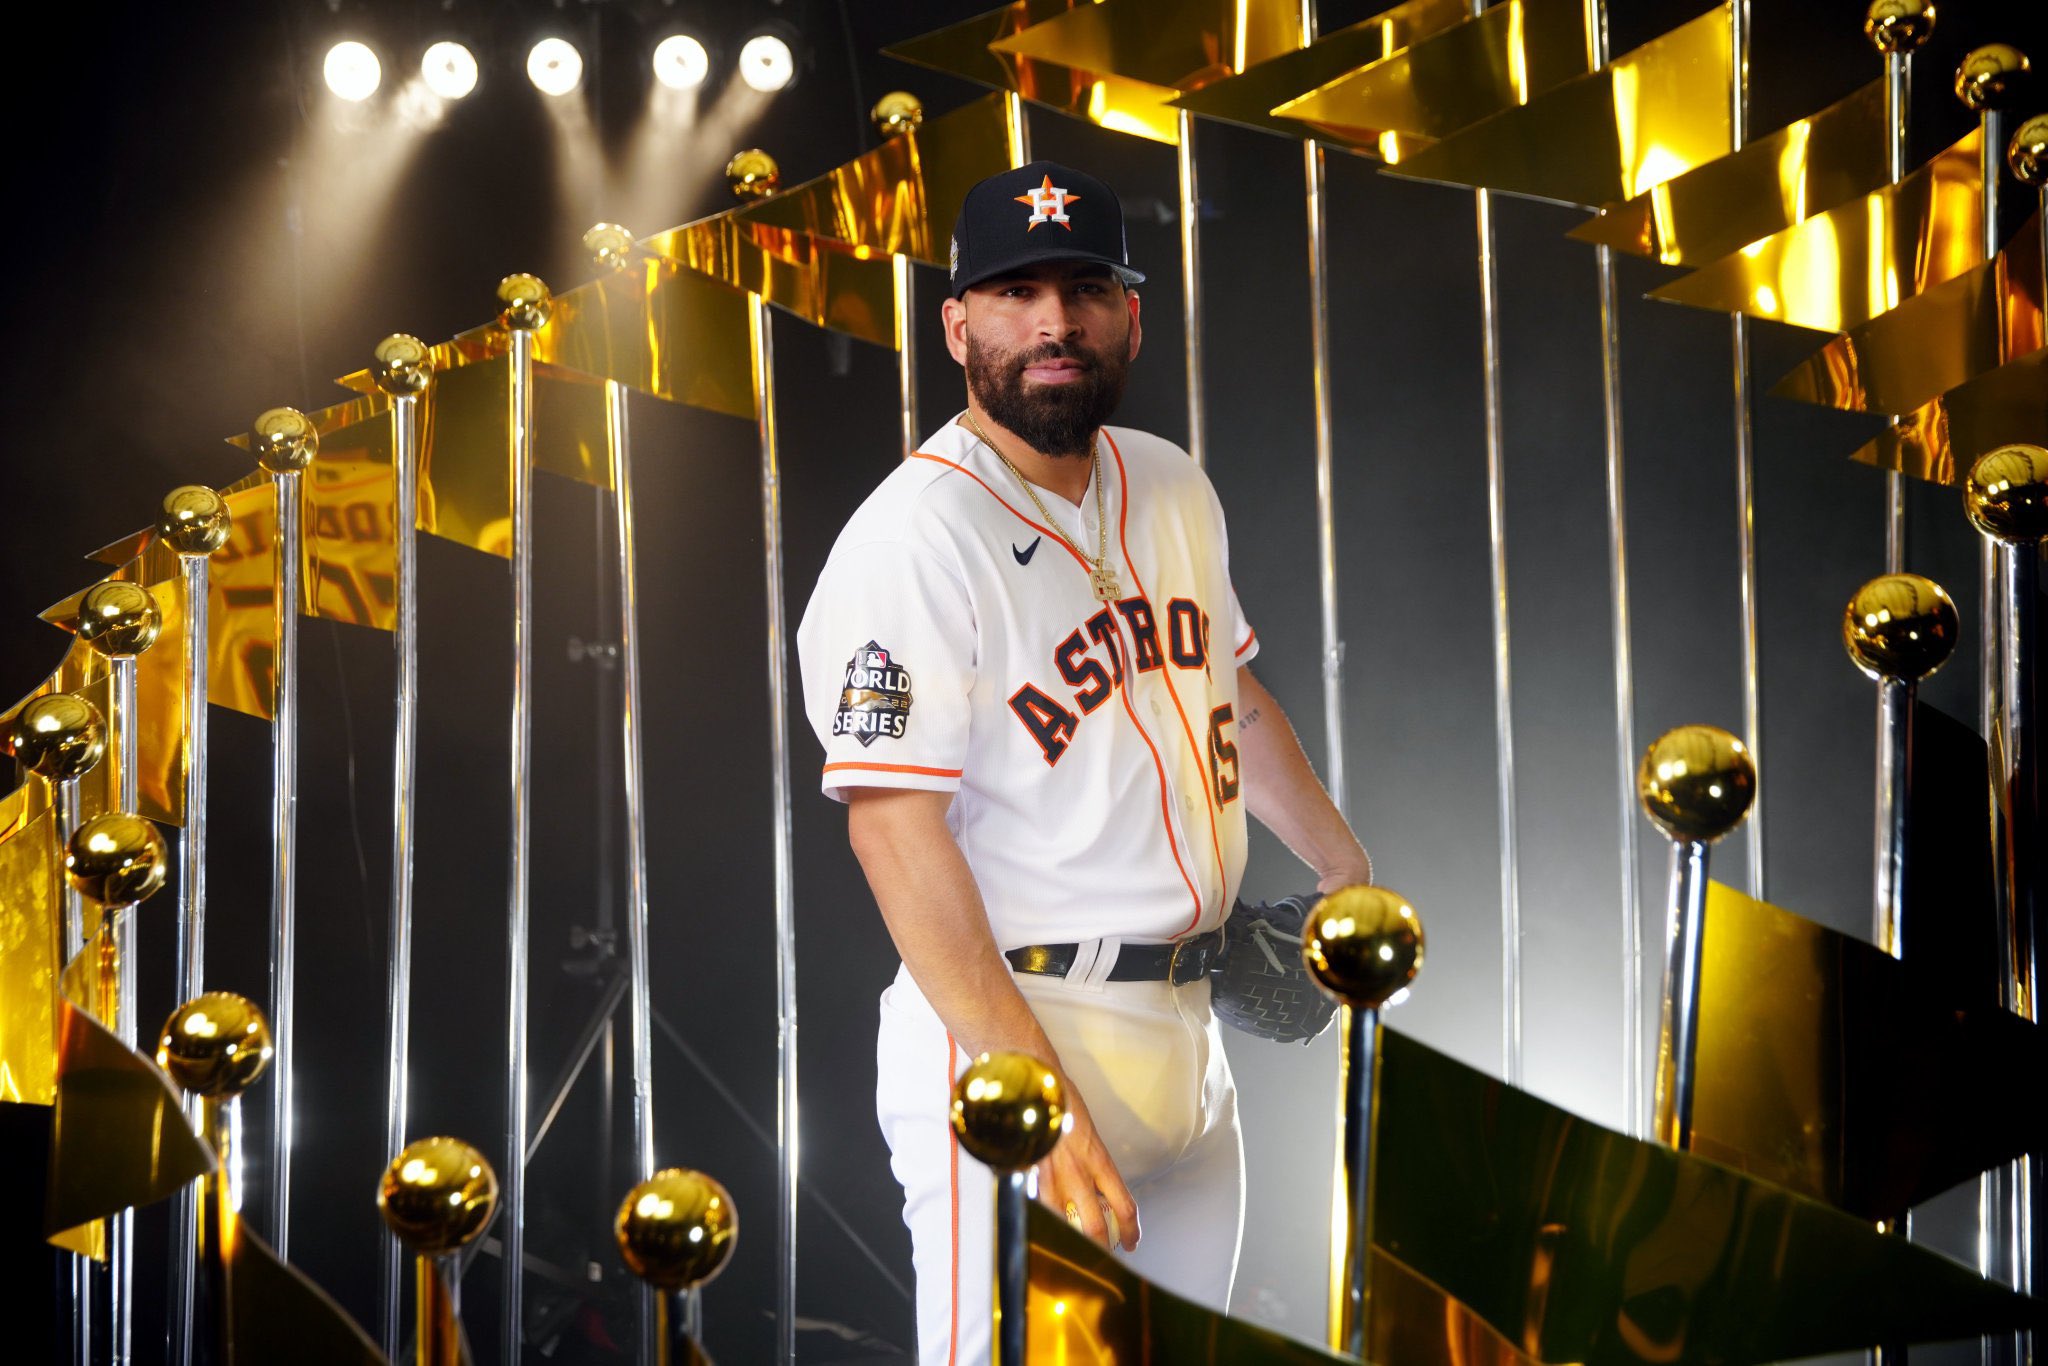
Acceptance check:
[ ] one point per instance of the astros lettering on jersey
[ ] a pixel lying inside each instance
(953, 643)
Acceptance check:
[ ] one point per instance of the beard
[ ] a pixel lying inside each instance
(1055, 419)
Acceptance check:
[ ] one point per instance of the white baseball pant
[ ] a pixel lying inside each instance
(1147, 1058)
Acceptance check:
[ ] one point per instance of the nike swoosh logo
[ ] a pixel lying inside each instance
(1024, 555)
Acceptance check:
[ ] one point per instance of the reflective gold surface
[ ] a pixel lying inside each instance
(823, 282)
(1084, 1306)
(193, 520)
(280, 1315)
(282, 440)
(1934, 341)
(1364, 944)
(1938, 440)
(241, 628)
(1250, 97)
(1990, 76)
(120, 1139)
(656, 328)
(610, 245)
(401, 364)
(523, 302)
(1822, 160)
(116, 859)
(437, 1195)
(896, 113)
(1579, 1244)
(1898, 25)
(1009, 1110)
(752, 174)
(118, 618)
(676, 1229)
(2006, 494)
(1845, 266)
(1696, 782)
(903, 195)
(1651, 114)
(215, 1045)
(2027, 152)
(31, 956)
(1900, 626)
(58, 736)
(1499, 59)
(1831, 1068)
(85, 672)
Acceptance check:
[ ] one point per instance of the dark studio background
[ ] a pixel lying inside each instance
(201, 233)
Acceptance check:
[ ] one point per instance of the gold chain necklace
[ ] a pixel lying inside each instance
(1101, 578)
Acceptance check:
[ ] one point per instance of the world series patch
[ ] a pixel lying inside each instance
(876, 699)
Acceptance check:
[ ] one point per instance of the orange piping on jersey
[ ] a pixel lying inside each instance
(1057, 538)
(1165, 809)
(1208, 797)
(953, 1189)
(1250, 640)
(897, 768)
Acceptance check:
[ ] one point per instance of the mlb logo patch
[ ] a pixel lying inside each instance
(874, 703)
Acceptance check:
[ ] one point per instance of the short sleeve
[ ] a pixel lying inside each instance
(1243, 640)
(887, 652)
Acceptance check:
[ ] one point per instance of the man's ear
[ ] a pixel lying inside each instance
(953, 312)
(1137, 332)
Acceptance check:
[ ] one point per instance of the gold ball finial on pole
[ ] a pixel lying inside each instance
(1900, 626)
(1364, 944)
(676, 1229)
(1898, 26)
(896, 113)
(2027, 153)
(193, 520)
(118, 618)
(283, 440)
(116, 859)
(1009, 1110)
(524, 303)
(1696, 783)
(402, 365)
(1989, 76)
(215, 1045)
(2006, 493)
(58, 736)
(610, 245)
(753, 174)
(437, 1195)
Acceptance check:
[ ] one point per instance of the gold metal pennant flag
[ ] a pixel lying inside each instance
(1651, 114)
(1943, 337)
(1786, 177)
(31, 950)
(828, 284)
(1173, 45)
(1581, 1244)
(902, 196)
(1499, 59)
(661, 330)
(1841, 268)
(120, 1139)
(1250, 97)
(279, 1314)
(1940, 439)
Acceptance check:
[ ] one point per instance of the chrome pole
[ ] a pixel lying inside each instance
(642, 1002)
(1745, 468)
(1680, 1036)
(1326, 499)
(1018, 126)
(284, 740)
(1898, 95)
(191, 959)
(1894, 801)
(786, 1125)
(1013, 1260)
(83, 1279)
(906, 352)
(1191, 282)
(121, 1228)
(512, 1232)
(1361, 1048)
(402, 371)
(1503, 680)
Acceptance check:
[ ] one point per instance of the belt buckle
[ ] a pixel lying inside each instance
(1173, 977)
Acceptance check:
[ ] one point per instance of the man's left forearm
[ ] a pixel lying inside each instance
(1283, 792)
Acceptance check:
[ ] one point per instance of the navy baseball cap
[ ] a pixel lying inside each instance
(1040, 212)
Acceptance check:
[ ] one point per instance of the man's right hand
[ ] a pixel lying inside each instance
(1080, 1179)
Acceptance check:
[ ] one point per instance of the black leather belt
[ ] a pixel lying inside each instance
(1180, 962)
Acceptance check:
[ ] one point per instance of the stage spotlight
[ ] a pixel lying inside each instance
(449, 70)
(352, 71)
(554, 66)
(766, 63)
(680, 62)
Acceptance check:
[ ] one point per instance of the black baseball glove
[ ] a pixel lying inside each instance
(1259, 983)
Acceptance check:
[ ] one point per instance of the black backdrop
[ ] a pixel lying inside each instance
(197, 238)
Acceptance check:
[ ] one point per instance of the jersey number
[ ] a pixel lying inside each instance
(1222, 756)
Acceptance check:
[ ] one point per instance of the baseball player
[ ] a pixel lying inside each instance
(1027, 666)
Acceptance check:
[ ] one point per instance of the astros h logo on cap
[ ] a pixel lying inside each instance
(993, 236)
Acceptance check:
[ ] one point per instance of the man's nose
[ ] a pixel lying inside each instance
(1055, 318)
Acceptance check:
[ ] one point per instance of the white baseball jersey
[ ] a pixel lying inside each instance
(954, 643)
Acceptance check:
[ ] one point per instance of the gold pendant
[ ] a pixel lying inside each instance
(1105, 584)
